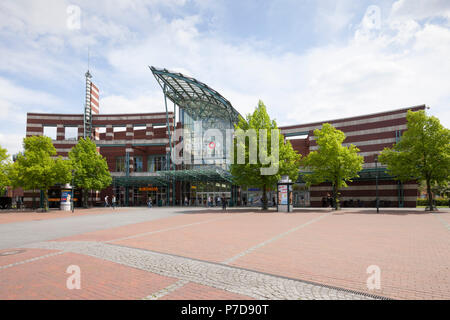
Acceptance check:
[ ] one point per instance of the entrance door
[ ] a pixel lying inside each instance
(301, 199)
(154, 197)
(158, 197)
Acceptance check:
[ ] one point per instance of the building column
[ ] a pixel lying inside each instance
(149, 130)
(109, 135)
(60, 132)
(34, 129)
(80, 131)
(129, 134)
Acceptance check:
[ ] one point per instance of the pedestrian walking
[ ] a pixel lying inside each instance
(149, 202)
(224, 203)
(186, 201)
(329, 201)
(113, 202)
(106, 202)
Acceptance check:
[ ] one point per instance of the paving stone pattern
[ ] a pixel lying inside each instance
(245, 282)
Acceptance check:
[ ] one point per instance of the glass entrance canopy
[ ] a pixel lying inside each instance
(202, 110)
(196, 99)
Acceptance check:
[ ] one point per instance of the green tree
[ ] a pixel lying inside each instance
(5, 165)
(332, 162)
(443, 190)
(261, 160)
(38, 168)
(90, 168)
(423, 153)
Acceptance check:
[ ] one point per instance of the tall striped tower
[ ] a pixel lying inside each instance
(92, 106)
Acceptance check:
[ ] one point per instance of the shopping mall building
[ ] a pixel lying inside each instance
(137, 149)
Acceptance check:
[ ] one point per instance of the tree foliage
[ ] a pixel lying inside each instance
(38, 168)
(272, 157)
(90, 167)
(5, 165)
(332, 162)
(423, 153)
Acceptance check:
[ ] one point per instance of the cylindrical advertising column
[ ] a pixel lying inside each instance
(66, 197)
(284, 187)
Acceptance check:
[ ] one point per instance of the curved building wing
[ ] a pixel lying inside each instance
(194, 97)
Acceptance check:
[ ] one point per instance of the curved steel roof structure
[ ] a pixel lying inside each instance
(196, 98)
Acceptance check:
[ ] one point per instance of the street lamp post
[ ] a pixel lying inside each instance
(376, 183)
(72, 203)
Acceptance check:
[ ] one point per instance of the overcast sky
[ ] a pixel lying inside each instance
(307, 60)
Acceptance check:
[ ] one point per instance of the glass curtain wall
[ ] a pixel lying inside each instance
(209, 149)
(199, 193)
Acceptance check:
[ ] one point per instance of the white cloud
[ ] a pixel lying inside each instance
(117, 104)
(418, 9)
(34, 17)
(15, 102)
(402, 63)
(333, 16)
(11, 142)
(14, 98)
(392, 68)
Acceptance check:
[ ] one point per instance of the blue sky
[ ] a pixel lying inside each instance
(307, 60)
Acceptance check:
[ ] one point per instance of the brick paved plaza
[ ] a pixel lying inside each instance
(195, 253)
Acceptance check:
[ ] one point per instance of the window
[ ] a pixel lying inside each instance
(120, 164)
(119, 129)
(99, 133)
(71, 133)
(50, 132)
(303, 136)
(140, 127)
(156, 163)
(151, 164)
(138, 164)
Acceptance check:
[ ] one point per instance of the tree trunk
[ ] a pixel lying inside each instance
(45, 200)
(34, 199)
(335, 197)
(264, 198)
(430, 195)
(85, 198)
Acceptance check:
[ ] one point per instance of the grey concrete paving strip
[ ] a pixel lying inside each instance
(31, 260)
(445, 223)
(237, 280)
(281, 235)
(20, 233)
(163, 292)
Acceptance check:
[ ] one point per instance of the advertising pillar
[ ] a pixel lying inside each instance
(66, 198)
(284, 191)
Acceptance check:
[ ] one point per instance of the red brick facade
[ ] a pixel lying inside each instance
(371, 134)
(145, 135)
(142, 135)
